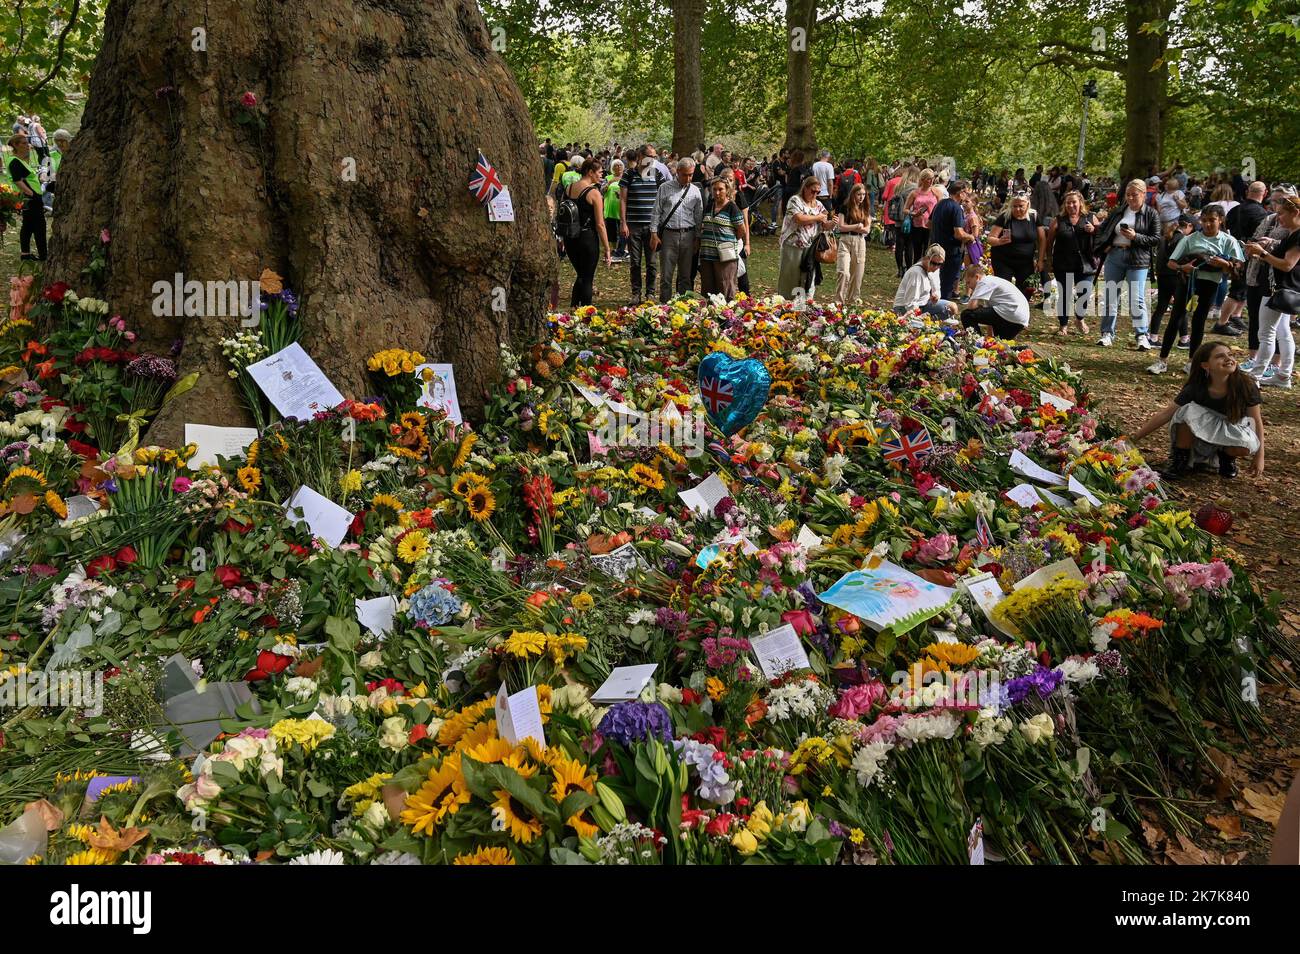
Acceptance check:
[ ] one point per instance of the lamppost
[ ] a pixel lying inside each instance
(1089, 93)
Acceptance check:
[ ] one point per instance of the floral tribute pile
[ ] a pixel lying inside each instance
(426, 690)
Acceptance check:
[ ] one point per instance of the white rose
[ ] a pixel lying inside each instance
(394, 734)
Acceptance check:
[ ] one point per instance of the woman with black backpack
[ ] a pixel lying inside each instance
(581, 223)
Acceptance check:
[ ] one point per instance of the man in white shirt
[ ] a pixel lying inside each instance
(675, 229)
(919, 288)
(997, 303)
(825, 173)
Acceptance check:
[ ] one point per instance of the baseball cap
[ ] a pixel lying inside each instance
(1154, 180)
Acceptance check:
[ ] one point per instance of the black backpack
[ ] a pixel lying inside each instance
(568, 216)
(896, 207)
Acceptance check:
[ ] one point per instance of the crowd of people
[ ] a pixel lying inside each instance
(1217, 255)
(32, 166)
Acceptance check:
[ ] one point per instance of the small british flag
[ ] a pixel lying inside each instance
(911, 448)
(484, 183)
(716, 394)
(983, 535)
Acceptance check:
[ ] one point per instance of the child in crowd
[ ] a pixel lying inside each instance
(1215, 416)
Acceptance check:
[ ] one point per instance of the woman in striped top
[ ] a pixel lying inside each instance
(722, 232)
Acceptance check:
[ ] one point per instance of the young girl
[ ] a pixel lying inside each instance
(1215, 415)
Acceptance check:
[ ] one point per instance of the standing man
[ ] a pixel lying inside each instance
(638, 190)
(675, 229)
(1241, 223)
(825, 173)
(947, 230)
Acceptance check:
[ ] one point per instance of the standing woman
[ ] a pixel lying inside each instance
(903, 252)
(919, 204)
(804, 218)
(1069, 248)
(723, 235)
(1017, 243)
(892, 237)
(854, 224)
(24, 170)
(1284, 301)
(875, 182)
(1128, 239)
(972, 251)
(743, 202)
(592, 241)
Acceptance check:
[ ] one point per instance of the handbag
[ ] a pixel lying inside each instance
(1286, 301)
(729, 252)
(826, 249)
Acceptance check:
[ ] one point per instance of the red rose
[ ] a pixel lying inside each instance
(101, 564)
(421, 731)
(297, 549)
(125, 556)
(268, 665)
(690, 697)
(358, 524)
(228, 575)
(81, 449)
(801, 620)
(56, 292)
(248, 100)
(234, 526)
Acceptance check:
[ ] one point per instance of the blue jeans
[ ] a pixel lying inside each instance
(1116, 270)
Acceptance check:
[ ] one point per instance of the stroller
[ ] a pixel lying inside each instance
(759, 224)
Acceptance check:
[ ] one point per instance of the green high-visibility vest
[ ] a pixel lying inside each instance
(33, 176)
(56, 158)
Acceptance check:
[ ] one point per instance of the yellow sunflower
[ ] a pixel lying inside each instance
(466, 448)
(93, 856)
(56, 505)
(466, 482)
(516, 822)
(441, 795)
(412, 546)
(482, 503)
(250, 478)
(25, 473)
(387, 502)
(486, 856)
(646, 476)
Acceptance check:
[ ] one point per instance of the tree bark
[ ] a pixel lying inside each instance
(688, 93)
(800, 15)
(399, 255)
(1146, 78)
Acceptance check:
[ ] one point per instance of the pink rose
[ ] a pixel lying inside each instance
(248, 100)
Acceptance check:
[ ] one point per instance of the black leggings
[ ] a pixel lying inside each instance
(33, 226)
(1015, 270)
(1073, 294)
(1169, 286)
(920, 242)
(903, 252)
(584, 252)
(1205, 290)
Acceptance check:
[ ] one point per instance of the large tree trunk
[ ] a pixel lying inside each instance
(688, 94)
(398, 255)
(800, 19)
(1145, 90)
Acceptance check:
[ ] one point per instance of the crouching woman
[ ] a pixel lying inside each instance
(1215, 416)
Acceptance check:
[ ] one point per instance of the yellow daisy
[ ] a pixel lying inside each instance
(412, 546)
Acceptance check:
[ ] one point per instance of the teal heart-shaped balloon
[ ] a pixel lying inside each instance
(733, 391)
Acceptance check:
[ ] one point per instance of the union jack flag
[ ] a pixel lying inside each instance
(911, 448)
(484, 183)
(717, 394)
(982, 533)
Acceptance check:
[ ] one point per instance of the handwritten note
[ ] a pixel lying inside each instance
(211, 440)
(779, 651)
(377, 614)
(501, 209)
(704, 496)
(1028, 496)
(294, 384)
(518, 716)
(807, 539)
(1077, 488)
(1047, 574)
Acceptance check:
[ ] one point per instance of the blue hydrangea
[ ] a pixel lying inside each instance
(631, 722)
(434, 606)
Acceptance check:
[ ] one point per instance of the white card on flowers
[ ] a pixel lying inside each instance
(377, 614)
(519, 716)
(212, 440)
(779, 651)
(1028, 496)
(624, 684)
(1050, 572)
(294, 384)
(704, 496)
(439, 394)
(322, 516)
(1027, 468)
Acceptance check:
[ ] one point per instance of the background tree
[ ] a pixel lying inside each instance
(688, 94)
(399, 254)
(46, 50)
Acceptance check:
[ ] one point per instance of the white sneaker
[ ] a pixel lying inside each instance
(1276, 381)
(1106, 341)
(1144, 343)
(1158, 367)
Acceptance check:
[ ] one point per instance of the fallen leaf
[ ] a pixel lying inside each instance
(1229, 826)
(1189, 854)
(1265, 807)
